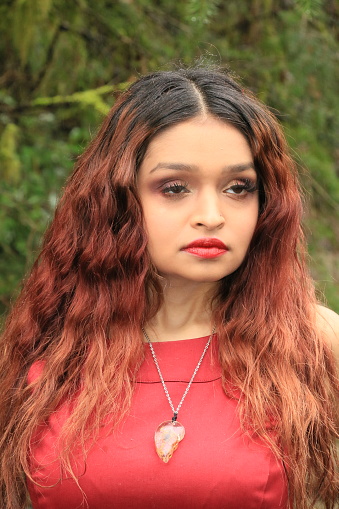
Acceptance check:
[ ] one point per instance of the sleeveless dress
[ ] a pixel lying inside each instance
(216, 466)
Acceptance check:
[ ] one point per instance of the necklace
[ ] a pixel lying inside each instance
(169, 433)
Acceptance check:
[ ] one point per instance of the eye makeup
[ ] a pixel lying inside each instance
(175, 188)
(241, 187)
(236, 188)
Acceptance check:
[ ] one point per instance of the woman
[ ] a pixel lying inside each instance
(171, 300)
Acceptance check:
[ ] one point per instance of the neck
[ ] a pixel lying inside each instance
(185, 312)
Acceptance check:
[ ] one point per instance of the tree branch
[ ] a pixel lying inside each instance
(91, 97)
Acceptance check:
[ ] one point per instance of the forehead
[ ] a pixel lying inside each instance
(199, 141)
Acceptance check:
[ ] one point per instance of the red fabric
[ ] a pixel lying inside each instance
(215, 466)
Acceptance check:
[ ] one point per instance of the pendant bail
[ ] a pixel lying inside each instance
(175, 415)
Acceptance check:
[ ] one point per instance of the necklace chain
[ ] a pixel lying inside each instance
(175, 412)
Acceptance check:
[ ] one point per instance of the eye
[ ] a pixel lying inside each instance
(175, 188)
(241, 187)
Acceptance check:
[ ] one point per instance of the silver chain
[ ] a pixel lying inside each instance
(175, 412)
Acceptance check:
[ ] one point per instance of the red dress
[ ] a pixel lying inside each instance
(216, 466)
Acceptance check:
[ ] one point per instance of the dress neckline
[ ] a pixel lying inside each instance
(178, 359)
(185, 340)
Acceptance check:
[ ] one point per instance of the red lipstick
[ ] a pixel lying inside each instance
(206, 248)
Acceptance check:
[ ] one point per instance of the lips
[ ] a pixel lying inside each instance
(206, 248)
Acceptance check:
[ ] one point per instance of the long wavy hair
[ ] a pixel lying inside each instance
(93, 286)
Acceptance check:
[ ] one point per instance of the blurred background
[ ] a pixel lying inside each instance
(62, 64)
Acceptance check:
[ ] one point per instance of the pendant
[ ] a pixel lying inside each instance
(167, 438)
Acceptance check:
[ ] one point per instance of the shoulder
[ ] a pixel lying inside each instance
(328, 326)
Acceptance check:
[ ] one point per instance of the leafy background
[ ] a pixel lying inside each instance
(62, 64)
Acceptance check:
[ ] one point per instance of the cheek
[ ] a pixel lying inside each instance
(246, 227)
(245, 220)
(160, 220)
(157, 229)
(250, 227)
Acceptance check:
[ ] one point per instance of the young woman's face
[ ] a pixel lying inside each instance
(198, 190)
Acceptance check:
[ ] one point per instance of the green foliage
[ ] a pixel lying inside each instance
(63, 63)
(200, 13)
(9, 160)
(28, 14)
(310, 8)
(84, 99)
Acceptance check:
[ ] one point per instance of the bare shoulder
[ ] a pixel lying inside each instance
(328, 323)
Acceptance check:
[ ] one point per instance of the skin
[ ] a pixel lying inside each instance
(189, 190)
(191, 186)
(328, 324)
(197, 180)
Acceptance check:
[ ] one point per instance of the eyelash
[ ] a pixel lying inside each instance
(174, 189)
(248, 185)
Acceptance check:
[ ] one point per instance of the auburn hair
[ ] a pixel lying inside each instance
(93, 286)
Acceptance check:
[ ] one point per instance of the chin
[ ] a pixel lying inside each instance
(203, 278)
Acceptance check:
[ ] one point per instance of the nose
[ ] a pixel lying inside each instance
(207, 213)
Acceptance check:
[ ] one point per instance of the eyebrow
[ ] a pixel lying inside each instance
(232, 168)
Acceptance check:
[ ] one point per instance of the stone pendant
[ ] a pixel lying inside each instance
(167, 438)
